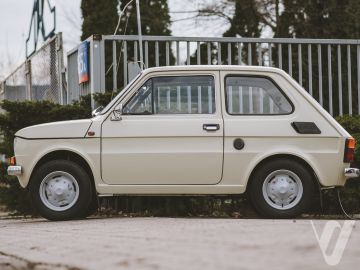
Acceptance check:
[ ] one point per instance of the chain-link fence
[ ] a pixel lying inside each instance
(40, 77)
(15, 85)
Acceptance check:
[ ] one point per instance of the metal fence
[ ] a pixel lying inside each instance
(40, 77)
(328, 69)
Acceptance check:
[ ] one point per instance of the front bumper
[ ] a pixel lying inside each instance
(351, 172)
(14, 170)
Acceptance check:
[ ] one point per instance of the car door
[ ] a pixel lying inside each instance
(257, 116)
(170, 133)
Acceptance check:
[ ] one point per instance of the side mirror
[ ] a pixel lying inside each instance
(117, 112)
(97, 111)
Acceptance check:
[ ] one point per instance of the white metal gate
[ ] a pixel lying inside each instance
(328, 69)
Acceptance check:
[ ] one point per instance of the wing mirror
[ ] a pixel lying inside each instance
(117, 112)
(97, 111)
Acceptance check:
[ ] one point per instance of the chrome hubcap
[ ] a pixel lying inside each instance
(282, 189)
(59, 191)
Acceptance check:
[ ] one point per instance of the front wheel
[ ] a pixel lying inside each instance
(61, 190)
(281, 188)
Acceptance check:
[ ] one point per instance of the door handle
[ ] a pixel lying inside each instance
(211, 127)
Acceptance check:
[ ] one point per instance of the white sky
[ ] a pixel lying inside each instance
(15, 18)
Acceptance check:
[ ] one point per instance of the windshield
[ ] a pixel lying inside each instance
(118, 96)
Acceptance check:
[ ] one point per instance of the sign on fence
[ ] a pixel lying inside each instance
(82, 62)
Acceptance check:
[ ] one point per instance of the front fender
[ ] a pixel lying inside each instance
(29, 153)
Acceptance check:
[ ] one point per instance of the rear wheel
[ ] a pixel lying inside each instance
(281, 188)
(61, 190)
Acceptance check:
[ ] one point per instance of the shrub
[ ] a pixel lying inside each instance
(352, 125)
(23, 114)
(350, 196)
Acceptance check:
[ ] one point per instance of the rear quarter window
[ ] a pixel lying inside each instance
(246, 95)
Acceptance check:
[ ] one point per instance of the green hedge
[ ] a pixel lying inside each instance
(351, 194)
(18, 115)
(352, 125)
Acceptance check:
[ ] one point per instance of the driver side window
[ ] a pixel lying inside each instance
(141, 102)
(174, 95)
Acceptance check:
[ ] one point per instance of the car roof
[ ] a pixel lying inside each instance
(213, 68)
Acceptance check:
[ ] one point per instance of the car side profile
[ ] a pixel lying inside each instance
(189, 130)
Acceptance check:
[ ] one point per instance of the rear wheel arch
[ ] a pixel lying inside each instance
(282, 186)
(289, 157)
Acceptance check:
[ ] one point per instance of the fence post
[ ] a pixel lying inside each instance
(28, 80)
(97, 67)
(60, 61)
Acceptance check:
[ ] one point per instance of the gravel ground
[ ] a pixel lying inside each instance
(168, 243)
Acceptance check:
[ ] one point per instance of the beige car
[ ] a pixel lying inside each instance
(185, 130)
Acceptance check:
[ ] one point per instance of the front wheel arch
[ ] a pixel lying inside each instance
(65, 155)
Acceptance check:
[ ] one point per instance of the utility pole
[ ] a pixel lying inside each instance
(139, 33)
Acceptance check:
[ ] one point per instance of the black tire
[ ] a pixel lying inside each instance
(258, 178)
(93, 206)
(80, 208)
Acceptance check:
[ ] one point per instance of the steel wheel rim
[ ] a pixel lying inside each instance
(282, 189)
(59, 191)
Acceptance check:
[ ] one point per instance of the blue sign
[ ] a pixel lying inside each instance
(83, 62)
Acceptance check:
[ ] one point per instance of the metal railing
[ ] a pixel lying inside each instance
(328, 69)
(40, 77)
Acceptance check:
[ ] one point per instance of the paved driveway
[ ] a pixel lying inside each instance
(168, 243)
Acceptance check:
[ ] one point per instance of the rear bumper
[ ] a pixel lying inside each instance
(14, 170)
(351, 172)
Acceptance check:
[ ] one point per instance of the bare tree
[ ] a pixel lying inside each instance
(268, 11)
